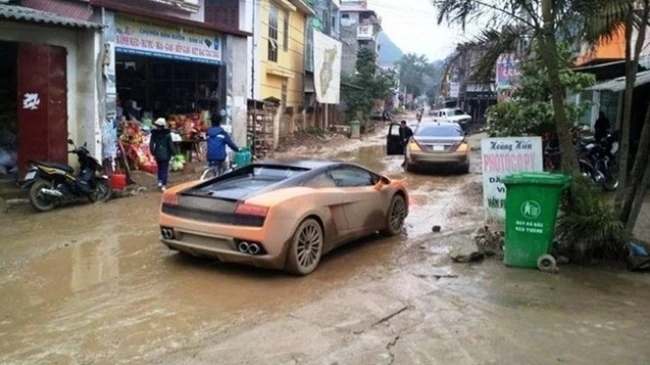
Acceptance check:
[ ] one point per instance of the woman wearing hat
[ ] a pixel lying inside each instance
(162, 148)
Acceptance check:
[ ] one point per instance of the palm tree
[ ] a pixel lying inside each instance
(597, 21)
(632, 15)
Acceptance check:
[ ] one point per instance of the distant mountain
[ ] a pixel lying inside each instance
(389, 52)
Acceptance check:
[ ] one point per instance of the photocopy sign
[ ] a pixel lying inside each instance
(501, 157)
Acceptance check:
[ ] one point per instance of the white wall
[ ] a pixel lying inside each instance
(82, 48)
(253, 79)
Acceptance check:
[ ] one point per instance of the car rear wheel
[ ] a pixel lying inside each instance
(396, 216)
(409, 167)
(306, 248)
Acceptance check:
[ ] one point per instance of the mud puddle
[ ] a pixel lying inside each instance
(92, 283)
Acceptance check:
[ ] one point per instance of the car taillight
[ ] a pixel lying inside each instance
(251, 210)
(170, 199)
(463, 147)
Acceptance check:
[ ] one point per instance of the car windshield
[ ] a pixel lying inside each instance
(459, 112)
(438, 130)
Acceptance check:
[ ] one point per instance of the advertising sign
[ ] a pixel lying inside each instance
(501, 157)
(327, 68)
(144, 37)
(507, 71)
(454, 90)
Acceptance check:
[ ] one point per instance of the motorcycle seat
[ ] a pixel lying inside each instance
(55, 165)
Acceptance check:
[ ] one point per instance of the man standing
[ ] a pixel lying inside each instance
(602, 126)
(218, 138)
(162, 148)
(405, 134)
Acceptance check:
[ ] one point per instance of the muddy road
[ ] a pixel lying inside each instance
(91, 284)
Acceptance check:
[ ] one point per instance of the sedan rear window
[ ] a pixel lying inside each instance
(459, 112)
(436, 130)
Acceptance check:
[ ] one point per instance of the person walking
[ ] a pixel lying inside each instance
(405, 134)
(601, 126)
(218, 139)
(162, 148)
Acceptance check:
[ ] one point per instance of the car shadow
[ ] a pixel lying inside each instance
(343, 262)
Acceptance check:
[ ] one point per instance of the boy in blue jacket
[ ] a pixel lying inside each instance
(217, 139)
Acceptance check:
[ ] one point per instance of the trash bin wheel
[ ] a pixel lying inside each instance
(546, 263)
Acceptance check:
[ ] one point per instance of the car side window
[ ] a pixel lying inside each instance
(323, 180)
(352, 177)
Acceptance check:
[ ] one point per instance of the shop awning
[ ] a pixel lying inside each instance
(28, 15)
(618, 84)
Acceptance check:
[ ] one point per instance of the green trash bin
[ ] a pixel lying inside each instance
(355, 129)
(532, 201)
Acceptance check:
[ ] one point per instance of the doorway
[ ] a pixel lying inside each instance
(8, 110)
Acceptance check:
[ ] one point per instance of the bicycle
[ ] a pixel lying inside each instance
(211, 172)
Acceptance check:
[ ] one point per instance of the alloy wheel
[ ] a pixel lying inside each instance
(309, 245)
(397, 214)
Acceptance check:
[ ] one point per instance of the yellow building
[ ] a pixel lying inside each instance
(281, 46)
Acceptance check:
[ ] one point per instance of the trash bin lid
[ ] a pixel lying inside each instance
(355, 122)
(537, 178)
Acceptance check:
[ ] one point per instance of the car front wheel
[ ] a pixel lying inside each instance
(306, 248)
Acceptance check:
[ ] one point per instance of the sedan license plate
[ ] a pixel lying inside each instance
(438, 148)
(30, 175)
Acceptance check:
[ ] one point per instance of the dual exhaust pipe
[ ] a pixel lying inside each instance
(249, 248)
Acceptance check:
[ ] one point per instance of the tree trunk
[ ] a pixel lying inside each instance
(637, 203)
(550, 57)
(631, 67)
(641, 158)
(640, 163)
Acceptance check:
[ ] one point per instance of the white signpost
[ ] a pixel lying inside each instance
(501, 157)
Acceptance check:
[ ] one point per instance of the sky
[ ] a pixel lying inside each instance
(412, 26)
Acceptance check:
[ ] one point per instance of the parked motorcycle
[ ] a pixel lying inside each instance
(52, 183)
(597, 160)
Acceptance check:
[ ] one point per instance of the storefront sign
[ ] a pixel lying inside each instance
(144, 37)
(501, 157)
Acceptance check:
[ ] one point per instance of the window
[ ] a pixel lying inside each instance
(285, 30)
(459, 112)
(352, 177)
(273, 34)
(435, 130)
(321, 181)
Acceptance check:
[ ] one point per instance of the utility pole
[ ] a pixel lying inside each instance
(254, 124)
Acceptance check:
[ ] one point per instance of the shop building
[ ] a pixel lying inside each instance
(278, 68)
(179, 60)
(49, 87)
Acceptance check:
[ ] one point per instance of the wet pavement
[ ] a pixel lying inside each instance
(91, 284)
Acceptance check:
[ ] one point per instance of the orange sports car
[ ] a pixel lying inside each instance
(281, 214)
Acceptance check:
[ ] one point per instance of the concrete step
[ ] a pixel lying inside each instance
(6, 183)
(13, 193)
